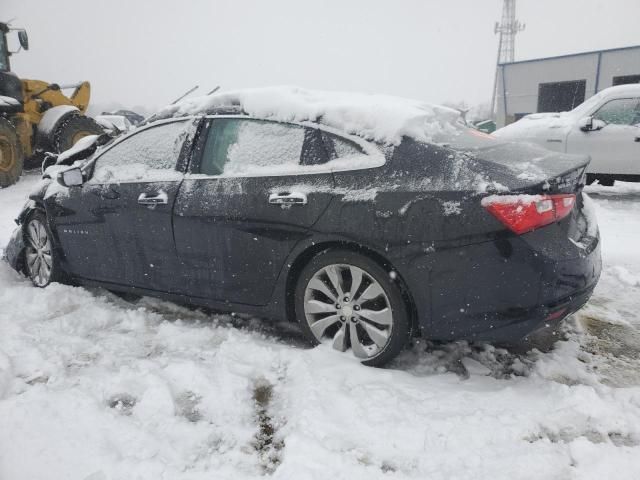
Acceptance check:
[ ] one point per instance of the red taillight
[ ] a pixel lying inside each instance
(523, 213)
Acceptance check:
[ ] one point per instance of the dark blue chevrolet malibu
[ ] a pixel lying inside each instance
(363, 242)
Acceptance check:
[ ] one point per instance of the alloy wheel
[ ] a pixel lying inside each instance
(39, 260)
(346, 304)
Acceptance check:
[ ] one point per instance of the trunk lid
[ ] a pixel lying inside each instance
(524, 168)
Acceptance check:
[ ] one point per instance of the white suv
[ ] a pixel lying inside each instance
(606, 127)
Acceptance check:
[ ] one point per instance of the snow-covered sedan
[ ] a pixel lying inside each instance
(605, 127)
(367, 219)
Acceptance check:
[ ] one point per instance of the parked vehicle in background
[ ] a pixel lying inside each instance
(114, 125)
(606, 127)
(260, 202)
(133, 117)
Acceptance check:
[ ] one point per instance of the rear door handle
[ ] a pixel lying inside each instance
(288, 198)
(160, 198)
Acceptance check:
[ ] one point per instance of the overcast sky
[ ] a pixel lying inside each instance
(147, 52)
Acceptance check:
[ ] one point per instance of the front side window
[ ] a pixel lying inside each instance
(623, 111)
(237, 147)
(149, 155)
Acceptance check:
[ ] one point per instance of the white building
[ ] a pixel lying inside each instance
(557, 84)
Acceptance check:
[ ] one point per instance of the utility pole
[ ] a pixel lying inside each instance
(508, 28)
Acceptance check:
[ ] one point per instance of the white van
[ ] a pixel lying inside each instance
(606, 127)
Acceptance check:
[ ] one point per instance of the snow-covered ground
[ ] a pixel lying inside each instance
(93, 387)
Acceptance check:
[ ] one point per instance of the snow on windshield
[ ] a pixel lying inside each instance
(381, 118)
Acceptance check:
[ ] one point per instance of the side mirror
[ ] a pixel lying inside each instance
(71, 178)
(23, 38)
(590, 124)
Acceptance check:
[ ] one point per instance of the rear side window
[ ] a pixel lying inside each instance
(622, 111)
(337, 147)
(149, 155)
(236, 147)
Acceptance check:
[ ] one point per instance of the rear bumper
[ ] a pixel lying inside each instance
(520, 326)
(502, 290)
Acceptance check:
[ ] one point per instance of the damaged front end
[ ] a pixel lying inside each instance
(13, 252)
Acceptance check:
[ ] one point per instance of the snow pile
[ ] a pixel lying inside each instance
(84, 143)
(8, 102)
(114, 123)
(381, 118)
(96, 388)
(620, 189)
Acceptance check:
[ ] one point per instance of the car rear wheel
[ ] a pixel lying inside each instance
(351, 301)
(40, 260)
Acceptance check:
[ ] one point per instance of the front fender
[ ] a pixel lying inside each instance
(29, 207)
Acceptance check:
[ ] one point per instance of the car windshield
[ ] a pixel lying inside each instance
(585, 107)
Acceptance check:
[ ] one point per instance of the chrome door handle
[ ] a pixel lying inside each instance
(288, 198)
(161, 198)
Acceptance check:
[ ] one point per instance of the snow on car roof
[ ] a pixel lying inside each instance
(381, 118)
(631, 88)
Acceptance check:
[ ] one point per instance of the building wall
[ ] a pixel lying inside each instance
(522, 79)
(618, 63)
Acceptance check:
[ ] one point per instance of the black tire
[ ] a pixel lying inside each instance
(34, 162)
(400, 329)
(72, 129)
(606, 180)
(56, 273)
(11, 156)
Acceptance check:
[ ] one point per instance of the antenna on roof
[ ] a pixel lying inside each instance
(185, 94)
(214, 90)
(508, 28)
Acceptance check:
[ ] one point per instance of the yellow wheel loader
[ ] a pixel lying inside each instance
(35, 116)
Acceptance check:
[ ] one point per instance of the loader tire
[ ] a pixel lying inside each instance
(72, 129)
(11, 156)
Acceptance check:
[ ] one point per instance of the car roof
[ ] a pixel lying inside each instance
(621, 90)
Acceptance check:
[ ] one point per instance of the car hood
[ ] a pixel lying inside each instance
(537, 125)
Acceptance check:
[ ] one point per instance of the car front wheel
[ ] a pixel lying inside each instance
(40, 263)
(351, 301)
